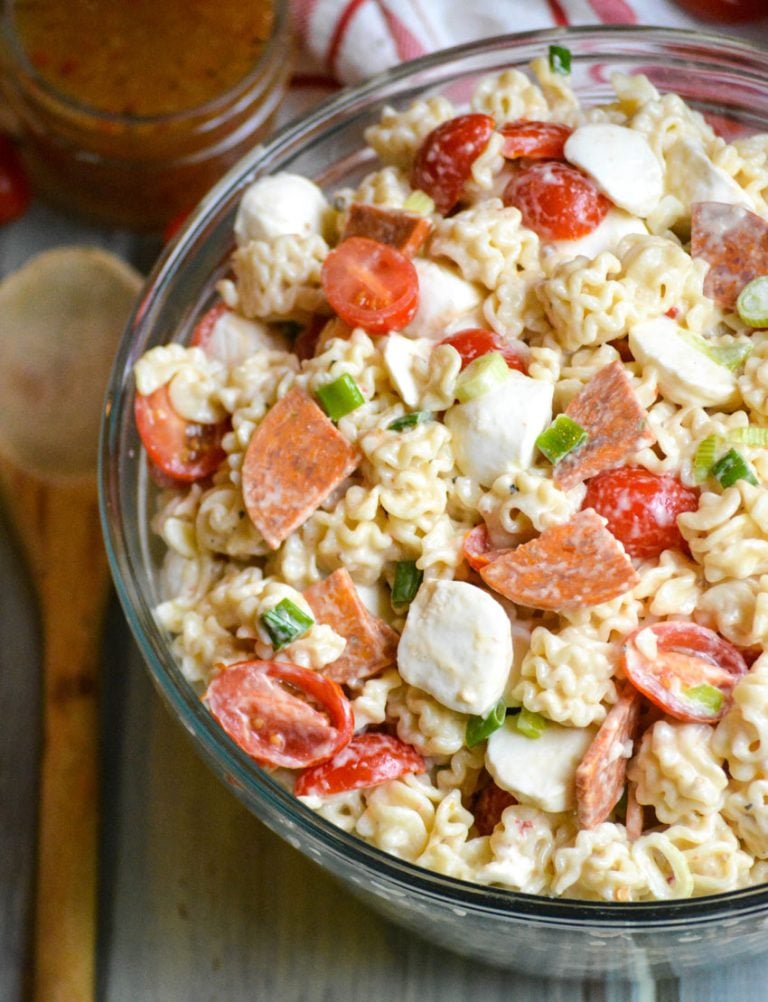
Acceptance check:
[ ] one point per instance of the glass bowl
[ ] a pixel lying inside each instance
(563, 937)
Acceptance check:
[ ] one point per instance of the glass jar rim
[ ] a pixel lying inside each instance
(73, 108)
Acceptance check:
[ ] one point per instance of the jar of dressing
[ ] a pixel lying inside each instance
(129, 111)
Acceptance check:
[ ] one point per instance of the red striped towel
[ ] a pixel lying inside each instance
(353, 39)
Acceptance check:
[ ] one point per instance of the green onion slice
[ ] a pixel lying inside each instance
(705, 695)
(481, 376)
(531, 724)
(285, 623)
(732, 467)
(410, 420)
(480, 728)
(753, 434)
(406, 584)
(419, 202)
(704, 457)
(752, 304)
(731, 356)
(560, 59)
(340, 397)
(563, 436)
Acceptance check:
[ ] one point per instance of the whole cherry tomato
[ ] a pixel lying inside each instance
(281, 714)
(476, 341)
(534, 140)
(444, 160)
(641, 508)
(681, 666)
(368, 759)
(14, 186)
(556, 201)
(180, 449)
(371, 285)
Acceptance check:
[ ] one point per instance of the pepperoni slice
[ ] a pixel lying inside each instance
(681, 666)
(634, 817)
(478, 551)
(488, 806)
(368, 760)
(534, 140)
(601, 774)
(371, 643)
(403, 230)
(444, 160)
(615, 421)
(294, 460)
(734, 241)
(569, 566)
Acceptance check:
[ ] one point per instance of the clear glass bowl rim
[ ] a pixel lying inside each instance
(261, 794)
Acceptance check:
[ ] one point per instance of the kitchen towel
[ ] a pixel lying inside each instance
(350, 40)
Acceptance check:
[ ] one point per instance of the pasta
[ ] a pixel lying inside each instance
(465, 596)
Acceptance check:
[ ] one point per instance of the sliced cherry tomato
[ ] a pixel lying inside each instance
(204, 328)
(14, 186)
(281, 714)
(444, 160)
(371, 285)
(641, 508)
(368, 759)
(556, 201)
(488, 806)
(679, 671)
(534, 140)
(476, 341)
(181, 449)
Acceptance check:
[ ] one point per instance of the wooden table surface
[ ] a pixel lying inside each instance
(199, 902)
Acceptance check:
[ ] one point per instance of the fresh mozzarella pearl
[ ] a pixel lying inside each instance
(621, 163)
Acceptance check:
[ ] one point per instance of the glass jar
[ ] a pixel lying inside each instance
(136, 171)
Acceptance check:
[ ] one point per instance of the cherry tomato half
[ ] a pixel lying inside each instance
(534, 140)
(444, 160)
(488, 806)
(181, 449)
(476, 341)
(686, 657)
(371, 285)
(641, 508)
(281, 714)
(556, 201)
(202, 335)
(368, 759)
(14, 186)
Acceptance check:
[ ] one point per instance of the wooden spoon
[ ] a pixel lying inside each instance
(61, 316)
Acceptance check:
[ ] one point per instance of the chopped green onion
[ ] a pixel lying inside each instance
(419, 202)
(531, 724)
(706, 695)
(704, 457)
(731, 356)
(285, 623)
(732, 467)
(481, 376)
(406, 584)
(752, 304)
(479, 728)
(340, 397)
(560, 60)
(410, 420)
(753, 434)
(563, 436)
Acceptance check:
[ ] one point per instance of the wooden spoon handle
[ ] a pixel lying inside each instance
(59, 528)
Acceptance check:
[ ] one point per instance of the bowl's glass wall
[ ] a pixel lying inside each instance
(562, 937)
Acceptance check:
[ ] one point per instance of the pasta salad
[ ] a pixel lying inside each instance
(461, 486)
